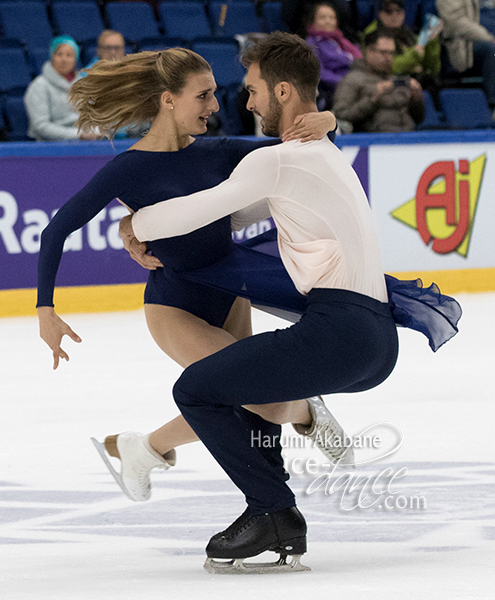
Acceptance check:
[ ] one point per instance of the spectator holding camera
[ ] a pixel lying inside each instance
(416, 55)
(371, 99)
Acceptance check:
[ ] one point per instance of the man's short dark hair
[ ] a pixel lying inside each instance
(372, 38)
(286, 57)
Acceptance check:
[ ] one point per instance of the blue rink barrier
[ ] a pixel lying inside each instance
(106, 148)
(37, 178)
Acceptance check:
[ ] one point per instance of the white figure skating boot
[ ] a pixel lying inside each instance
(137, 459)
(327, 434)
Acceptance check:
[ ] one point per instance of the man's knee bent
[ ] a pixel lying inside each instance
(189, 388)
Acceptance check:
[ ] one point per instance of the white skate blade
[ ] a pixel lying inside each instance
(103, 453)
(237, 566)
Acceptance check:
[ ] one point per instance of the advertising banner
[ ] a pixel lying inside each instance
(33, 188)
(433, 205)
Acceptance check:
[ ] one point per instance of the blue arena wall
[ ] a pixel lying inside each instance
(431, 195)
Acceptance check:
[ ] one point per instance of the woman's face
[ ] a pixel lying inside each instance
(394, 17)
(194, 104)
(64, 59)
(325, 19)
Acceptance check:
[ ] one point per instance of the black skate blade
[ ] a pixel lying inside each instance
(237, 566)
(103, 454)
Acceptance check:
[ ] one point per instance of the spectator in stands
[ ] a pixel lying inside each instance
(470, 47)
(418, 56)
(111, 46)
(371, 99)
(334, 51)
(295, 15)
(46, 99)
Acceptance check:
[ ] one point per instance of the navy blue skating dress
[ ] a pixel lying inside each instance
(141, 178)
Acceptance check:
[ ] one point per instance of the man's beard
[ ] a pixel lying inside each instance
(271, 121)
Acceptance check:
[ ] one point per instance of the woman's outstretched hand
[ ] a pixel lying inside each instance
(52, 330)
(310, 126)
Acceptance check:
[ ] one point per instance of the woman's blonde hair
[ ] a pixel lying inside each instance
(127, 92)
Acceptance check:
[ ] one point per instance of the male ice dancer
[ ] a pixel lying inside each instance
(346, 340)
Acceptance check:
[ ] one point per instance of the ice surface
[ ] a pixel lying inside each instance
(66, 530)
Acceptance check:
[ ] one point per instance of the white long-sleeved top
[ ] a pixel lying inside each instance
(326, 235)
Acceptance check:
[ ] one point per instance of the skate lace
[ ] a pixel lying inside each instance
(242, 527)
(143, 477)
(239, 525)
(326, 438)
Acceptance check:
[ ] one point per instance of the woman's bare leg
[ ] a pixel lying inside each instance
(187, 339)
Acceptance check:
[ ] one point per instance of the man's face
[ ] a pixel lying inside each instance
(379, 56)
(111, 47)
(263, 102)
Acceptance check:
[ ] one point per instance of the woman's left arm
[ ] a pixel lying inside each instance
(311, 126)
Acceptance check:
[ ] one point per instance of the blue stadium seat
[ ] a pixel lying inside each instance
(487, 18)
(239, 18)
(224, 60)
(17, 119)
(185, 19)
(366, 13)
(272, 14)
(466, 109)
(81, 20)
(38, 57)
(433, 119)
(427, 7)
(135, 20)
(229, 73)
(2, 120)
(163, 44)
(413, 17)
(26, 21)
(15, 74)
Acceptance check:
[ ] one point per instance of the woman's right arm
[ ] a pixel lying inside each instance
(78, 211)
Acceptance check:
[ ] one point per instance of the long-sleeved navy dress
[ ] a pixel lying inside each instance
(140, 178)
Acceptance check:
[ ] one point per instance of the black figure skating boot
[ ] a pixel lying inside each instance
(249, 535)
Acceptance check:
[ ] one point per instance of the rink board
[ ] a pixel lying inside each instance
(430, 195)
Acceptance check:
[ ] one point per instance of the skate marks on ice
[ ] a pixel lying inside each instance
(458, 512)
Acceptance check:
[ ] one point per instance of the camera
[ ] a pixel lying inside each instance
(401, 81)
